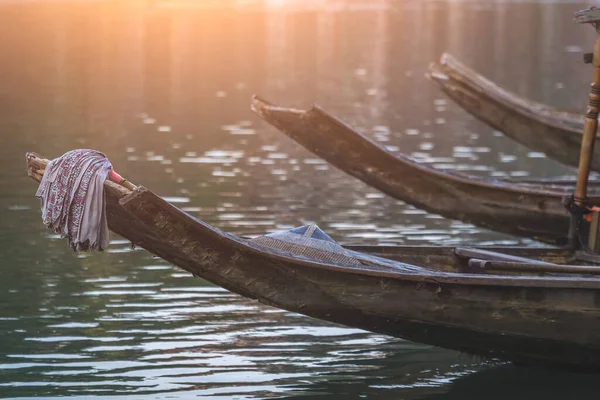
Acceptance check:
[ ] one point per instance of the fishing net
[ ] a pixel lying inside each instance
(308, 241)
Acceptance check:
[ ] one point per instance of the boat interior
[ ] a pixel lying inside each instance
(527, 261)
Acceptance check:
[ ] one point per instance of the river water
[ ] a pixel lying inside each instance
(164, 88)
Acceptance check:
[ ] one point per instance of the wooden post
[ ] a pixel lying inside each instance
(594, 236)
(591, 16)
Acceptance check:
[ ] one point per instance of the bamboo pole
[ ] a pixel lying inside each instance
(591, 16)
(116, 178)
(589, 129)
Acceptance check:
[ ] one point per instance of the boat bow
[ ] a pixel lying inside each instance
(535, 125)
(525, 210)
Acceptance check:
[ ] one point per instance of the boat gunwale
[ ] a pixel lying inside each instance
(465, 179)
(435, 277)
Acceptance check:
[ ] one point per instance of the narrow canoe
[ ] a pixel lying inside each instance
(541, 128)
(425, 294)
(529, 210)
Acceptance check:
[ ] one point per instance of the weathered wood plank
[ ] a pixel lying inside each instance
(493, 255)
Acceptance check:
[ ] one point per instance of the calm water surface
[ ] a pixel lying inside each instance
(164, 89)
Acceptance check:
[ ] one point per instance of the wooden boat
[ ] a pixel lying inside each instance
(527, 209)
(476, 301)
(535, 125)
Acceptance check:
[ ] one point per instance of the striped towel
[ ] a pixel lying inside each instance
(72, 198)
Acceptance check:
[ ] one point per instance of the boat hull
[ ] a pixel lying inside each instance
(526, 319)
(541, 128)
(534, 211)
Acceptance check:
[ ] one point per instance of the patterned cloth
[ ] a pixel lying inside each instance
(72, 198)
(308, 241)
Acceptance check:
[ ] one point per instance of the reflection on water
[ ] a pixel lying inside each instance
(164, 87)
(149, 328)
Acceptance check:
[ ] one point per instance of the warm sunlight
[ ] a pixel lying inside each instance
(313, 199)
(273, 5)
